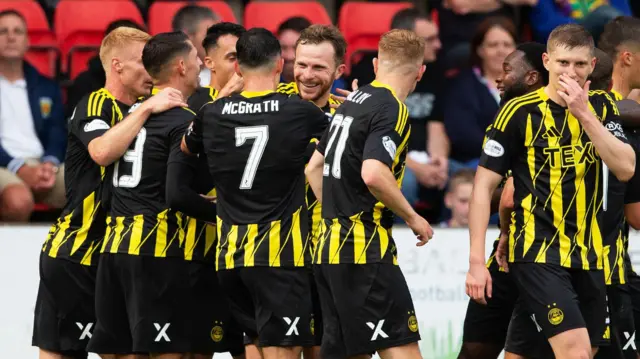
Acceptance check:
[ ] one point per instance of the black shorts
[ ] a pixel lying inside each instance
(365, 307)
(561, 299)
(64, 314)
(622, 328)
(634, 290)
(142, 305)
(271, 305)
(214, 330)
(489, 323)
(525, 337)
(317, 323)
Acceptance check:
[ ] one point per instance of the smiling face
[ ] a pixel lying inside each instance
(315, 69)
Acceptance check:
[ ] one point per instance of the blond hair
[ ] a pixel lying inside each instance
(118, 39)
(400, 47)
(462, 176)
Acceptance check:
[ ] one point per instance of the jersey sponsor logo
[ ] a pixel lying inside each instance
(413, 324)
(552, 132)
(293, 325)
(570, 155)
(162, 332)
(616, 129)
(377, 330)
(631, 341)
(217, 333)
(556, 315)
(390, 146)
(85, 330)
(493, 148)
(96, 125)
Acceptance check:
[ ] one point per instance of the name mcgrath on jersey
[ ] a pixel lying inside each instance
(557, 178)
(371, 124)
(140, 223)
(255, 144)
(79, 231)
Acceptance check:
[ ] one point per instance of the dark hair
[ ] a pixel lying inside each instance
(8, 12)
(481, 32)
(601, 75)
(189, 17)
(405, 19)
(257, 47)
(296, 23)
(162, 49)
(533, 56)
(317, 34)
(619, 31)
(219, 30)
(570, 36)
(123, 23)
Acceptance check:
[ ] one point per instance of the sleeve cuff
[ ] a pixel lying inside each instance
(54, 160)
(15, 164)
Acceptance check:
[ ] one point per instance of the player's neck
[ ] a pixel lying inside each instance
(620, 83)
(552, 92)
(259, 82)
(12, 70)
(399, 85)
(178, 85)
(119, 91)
(324, 100)
(214, 84)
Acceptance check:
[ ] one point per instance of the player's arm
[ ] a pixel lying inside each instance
(314, 173)
(632, 195)
(113, 143)
(506, 205)
(181, 173)
(191, 142)
(629, 113)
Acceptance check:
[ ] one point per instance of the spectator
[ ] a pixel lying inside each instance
(288, 34)
(591, 14)
(458, 197)
(473, 97)
(194, 21)
(93, 78)
(32, 128)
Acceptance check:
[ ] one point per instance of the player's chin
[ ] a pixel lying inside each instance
(310, 93)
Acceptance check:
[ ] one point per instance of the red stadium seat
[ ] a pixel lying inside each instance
(43, 47)
(80, 26)
(270, 14)
(161, 13)
(362, 24)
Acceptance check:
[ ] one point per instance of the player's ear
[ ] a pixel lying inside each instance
(594, 61)
(531, 78)
(421, 71)
(280, 65)
(209, 63)
(375, 65)
(236, 67)
(339, 71)
(627, 59)
(116, 65)
(545, 60)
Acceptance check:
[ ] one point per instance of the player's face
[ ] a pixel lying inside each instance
(200, 34)
(634, 61)
(497, 44)
(288, 40)
(458, 202)
(221, 60)
(577, 63)
(191, 70)
(512, 83)
(429, 32)
(315, 70)
(131, 71)
(13, 37)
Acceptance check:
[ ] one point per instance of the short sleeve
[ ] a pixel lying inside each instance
(389, 132)
(91, 118)
(503, 140)
(175, 136)
(193, 134)
(610, 115)
(632, 194)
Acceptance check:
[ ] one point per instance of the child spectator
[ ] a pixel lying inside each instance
(457, 198)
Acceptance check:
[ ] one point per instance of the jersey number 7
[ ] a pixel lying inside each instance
(339, 124)
(260, 135)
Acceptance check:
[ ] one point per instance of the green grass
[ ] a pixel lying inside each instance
(435, 345)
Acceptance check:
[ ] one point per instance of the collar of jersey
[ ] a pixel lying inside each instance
(155, 90)
(250, 94)
(377, 83)
(616, 93)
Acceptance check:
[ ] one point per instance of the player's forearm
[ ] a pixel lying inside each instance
(617, 155)
(314, 174)
(112, 145)
(181, 197)
(506, 206)
(484, 185)
(384, 187)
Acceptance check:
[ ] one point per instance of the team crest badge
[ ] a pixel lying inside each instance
(413, 323)
(45, 106)
(312, 327)
(555, 316)
(217, 333)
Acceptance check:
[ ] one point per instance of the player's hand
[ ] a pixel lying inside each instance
(344, 93)
(421, 228)
(235, 85)
(501, 251)
(576, 97)
(165, 100)
(478, 280)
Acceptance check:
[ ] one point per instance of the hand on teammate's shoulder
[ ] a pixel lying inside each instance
(165, 100)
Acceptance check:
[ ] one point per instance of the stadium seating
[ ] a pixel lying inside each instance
(270, 14)
(362, 23)
(43, 47)
(161, 13)
(80, 26)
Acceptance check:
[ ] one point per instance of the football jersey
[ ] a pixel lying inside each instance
(79, 231)
(255, 143)
(371, 124)
(557, 176)
(140, 222)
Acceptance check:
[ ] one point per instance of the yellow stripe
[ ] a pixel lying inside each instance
(581, 192)
(510, 108)
(88, 209)
(210, 238)
(59, 239)
(119, 227)
(382, 232)
(160, 249)
(232, 240)
(596, 235)
(90, 103)
(274, 244)
(220, 242)
(249, 247)
(107, 234)
(298, 245)
(531, 150)
(135, 238)
(359, 240)
(334, 243)
(190, 240)
(99, 109)
(607, 265)
(620, 258)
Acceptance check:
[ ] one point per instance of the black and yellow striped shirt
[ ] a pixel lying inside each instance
(371, 125)
(79, 231)
(256, 143)
(140, 223)
(557, 178)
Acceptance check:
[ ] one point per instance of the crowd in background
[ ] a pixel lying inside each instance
(457, 98)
